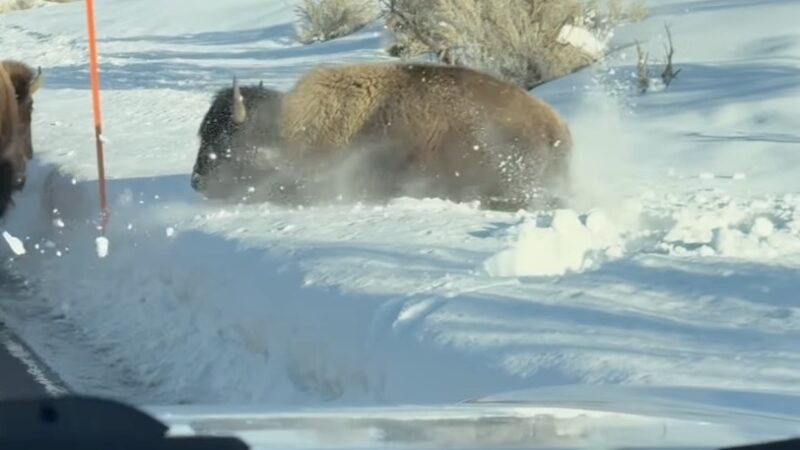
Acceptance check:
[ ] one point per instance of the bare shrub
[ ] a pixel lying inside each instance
(602, 16)
(527, 42)
(642, 69)
(668, 73)
(323, 20)
(619, 12)
(636, 11)
(669, 51)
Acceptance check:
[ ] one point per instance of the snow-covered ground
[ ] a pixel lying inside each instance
(677, 266)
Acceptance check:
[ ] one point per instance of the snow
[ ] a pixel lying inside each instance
(14, 243)
(21, 354)
(656, 275)
(566, 244)
(582, 39)
(102, 246)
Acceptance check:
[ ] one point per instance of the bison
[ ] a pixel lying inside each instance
(18, 83)
(379, 130)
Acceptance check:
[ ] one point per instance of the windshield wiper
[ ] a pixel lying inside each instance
(788, 444)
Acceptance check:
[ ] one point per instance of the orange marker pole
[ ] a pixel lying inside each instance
(98, 129)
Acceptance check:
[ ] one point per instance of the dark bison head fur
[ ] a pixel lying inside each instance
(234, 143)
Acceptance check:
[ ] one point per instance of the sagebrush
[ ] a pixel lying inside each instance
(527, 42)
(323, 20)
(15, 5)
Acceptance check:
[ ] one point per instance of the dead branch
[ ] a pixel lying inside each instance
(412, 26)
(642, 70)
(669, 73)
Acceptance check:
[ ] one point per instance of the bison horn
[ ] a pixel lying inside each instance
(239, 110)
(36, 83)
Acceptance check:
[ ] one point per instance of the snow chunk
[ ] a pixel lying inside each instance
(696, 225)
(102, 246)
(14, 243)
(734, 243)
(567, 245)
(170, 231)
(583, 39)
(762, 227)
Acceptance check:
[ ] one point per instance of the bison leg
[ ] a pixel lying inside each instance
(6, 186)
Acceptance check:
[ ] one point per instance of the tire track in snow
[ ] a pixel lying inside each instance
(22, 373)
(43, 354)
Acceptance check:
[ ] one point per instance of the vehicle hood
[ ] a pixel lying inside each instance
(571, 417)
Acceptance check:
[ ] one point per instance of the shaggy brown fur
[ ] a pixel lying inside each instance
(9, 120)
(437, 116)
(26, 82)
(9, 115)
(18, 82)
(421, 130)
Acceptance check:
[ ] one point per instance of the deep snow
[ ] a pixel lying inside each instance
(677, 265)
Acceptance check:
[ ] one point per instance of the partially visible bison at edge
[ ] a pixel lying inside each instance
(376, 131)
(18, 83)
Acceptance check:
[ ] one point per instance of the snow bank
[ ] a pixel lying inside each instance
(290, 311)
(714, 224)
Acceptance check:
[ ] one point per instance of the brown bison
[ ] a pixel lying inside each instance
(18, 83)
(381, 130)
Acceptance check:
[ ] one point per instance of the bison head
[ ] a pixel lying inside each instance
(240, 125)
(25, 82)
